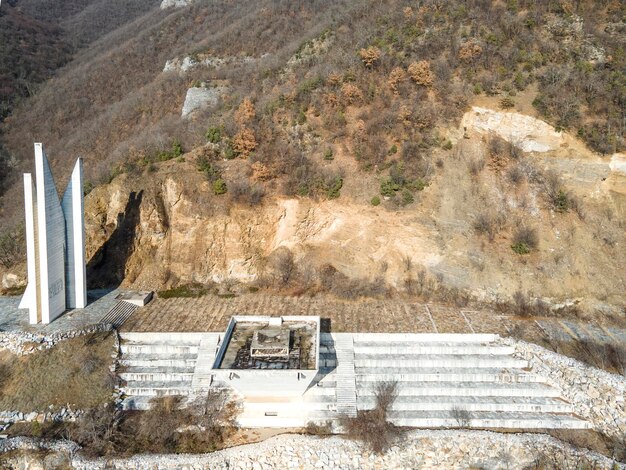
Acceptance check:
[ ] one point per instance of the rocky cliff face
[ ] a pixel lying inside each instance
(167, 227)
(165, 234)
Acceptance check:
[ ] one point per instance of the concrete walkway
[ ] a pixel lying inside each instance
(100, 303)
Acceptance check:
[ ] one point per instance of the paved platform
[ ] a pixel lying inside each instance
(100, 303)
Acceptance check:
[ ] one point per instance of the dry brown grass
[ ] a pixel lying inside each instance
(74, 372)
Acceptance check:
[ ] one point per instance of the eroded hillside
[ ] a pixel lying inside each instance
(455, 149)
(456, 240)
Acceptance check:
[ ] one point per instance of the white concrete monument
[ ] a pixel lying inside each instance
(55, 243)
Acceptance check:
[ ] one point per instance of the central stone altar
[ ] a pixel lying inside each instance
(261, 355)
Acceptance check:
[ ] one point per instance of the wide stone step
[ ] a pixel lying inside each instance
(163, 337)
(408, 348)
(480, 338)
(181, 387)
(163, 348)
(436, 360)
(439, 374)
(157, 360)
(295, 408)
(464, 389)
(437, 419)
(156, 374)
(492, 404)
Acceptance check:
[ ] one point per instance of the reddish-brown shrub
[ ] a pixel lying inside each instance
(370, 56)
(244, 142)
(397, 76)
(245, 113)
(351, 93)
(421, 74)
(469, 50)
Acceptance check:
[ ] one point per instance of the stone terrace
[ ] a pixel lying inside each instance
(212, 313)
(13, 319)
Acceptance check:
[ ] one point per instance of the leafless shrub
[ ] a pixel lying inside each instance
(282, 262)
(97, 430)
(371, 427)
(475, 166)
(462, 417)
(516, 175)
(608, 356)
(525, 239)
(157, 427)
(244, 193)
(12, 246)
(334, 281)
(487, 223)
(315, 429)
(497, 146)
(525, 306)
(216, 408)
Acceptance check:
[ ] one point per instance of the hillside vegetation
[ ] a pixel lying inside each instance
(359, 102)
(37, 38)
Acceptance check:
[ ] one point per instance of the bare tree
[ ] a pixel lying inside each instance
(462, 416)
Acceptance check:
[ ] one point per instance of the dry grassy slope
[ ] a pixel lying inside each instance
(186, 234)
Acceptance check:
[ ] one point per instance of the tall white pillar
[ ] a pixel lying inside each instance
(73, 209)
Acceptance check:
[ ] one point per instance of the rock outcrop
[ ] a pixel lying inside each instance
(200, 98)
(175, 3)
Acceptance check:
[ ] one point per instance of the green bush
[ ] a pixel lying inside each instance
(176, 150)
(328, 154)
(375, 201)
(520, 248)
(214, 135)
(301, 117)
(525, 239)
(229, 152)
(417, 185)
(333, 189)
(407, 197)
(87, 188)
(389, 188)
(205, 166)
(447, 145)
(561, 202)
(393, 150)
(219, 186)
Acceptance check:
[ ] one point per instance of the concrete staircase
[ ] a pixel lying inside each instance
(345, 381)
(160, 364)
(442, 380)
(451, 380)
(120, 312)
